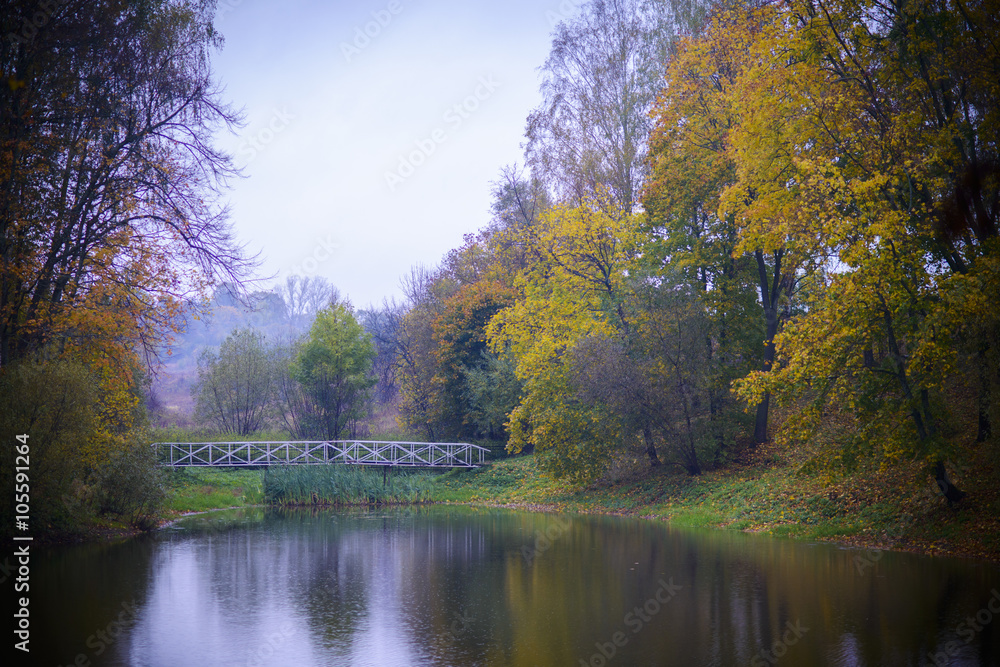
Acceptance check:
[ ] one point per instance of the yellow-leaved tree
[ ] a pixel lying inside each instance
(867, 136)
(574, 289)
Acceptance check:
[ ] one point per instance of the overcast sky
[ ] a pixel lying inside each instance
(374, 128)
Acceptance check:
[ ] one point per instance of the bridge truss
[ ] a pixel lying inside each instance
(318, 452)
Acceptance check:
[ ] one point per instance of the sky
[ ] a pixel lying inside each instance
(374, 129)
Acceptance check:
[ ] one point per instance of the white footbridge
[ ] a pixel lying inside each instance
(321, 452)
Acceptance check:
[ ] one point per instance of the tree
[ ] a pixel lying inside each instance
(304, 297)
(108, 204)
(385, 324)
(876, 123)
(599, 83)
(575, 290)
(693, 168)
(334, 367)
(460, 334)
(235, 387)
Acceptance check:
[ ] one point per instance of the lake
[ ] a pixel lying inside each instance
(456, 585)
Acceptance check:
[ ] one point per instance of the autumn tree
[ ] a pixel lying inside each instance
(692, 167)
(109, 196)
(574, 291)
(108, 169)
(882, 122)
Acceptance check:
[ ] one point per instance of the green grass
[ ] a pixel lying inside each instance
(202, 489)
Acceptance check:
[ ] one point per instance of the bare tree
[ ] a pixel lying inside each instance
(304, 297)
(385, 325)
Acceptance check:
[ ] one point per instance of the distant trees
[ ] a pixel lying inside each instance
(303, 297)
(317, 386)
(236, 386)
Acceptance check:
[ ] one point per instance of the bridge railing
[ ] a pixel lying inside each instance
(318, 452)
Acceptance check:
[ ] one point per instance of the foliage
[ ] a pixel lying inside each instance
(576, 291)
(235, 387)
(342, 485)
(460, 334)
(881, 120)
(109, 177)
(132, 486)
(86, 457)
(334, 368)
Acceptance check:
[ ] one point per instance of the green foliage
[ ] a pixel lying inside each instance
(55, 404)
(334, 367)
(236, 387)
(492, 391)
(342, 485)
(132, 487)
(83, 463)
(462, 351)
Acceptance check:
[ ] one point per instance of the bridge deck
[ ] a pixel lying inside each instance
(315, 452)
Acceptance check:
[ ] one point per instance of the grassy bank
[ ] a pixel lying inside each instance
(204, 489)
(897, 508)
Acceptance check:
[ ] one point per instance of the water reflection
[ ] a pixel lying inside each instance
(467, 586)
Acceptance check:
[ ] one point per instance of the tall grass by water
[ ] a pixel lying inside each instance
(343, 485)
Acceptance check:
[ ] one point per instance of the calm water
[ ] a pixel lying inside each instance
(466, 586)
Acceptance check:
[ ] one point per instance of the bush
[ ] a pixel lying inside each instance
(132, 487)
(55, 404)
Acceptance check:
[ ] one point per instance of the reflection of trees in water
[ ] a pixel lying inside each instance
(463, 586)
(78, 591)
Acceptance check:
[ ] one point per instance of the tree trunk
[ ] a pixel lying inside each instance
(647, 435)
(950, 491)
(985, 428)
(769, 299)
(760, 423)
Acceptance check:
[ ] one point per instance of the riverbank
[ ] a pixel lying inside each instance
(896, 508)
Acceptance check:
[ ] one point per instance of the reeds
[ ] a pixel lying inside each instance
(343, 485)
